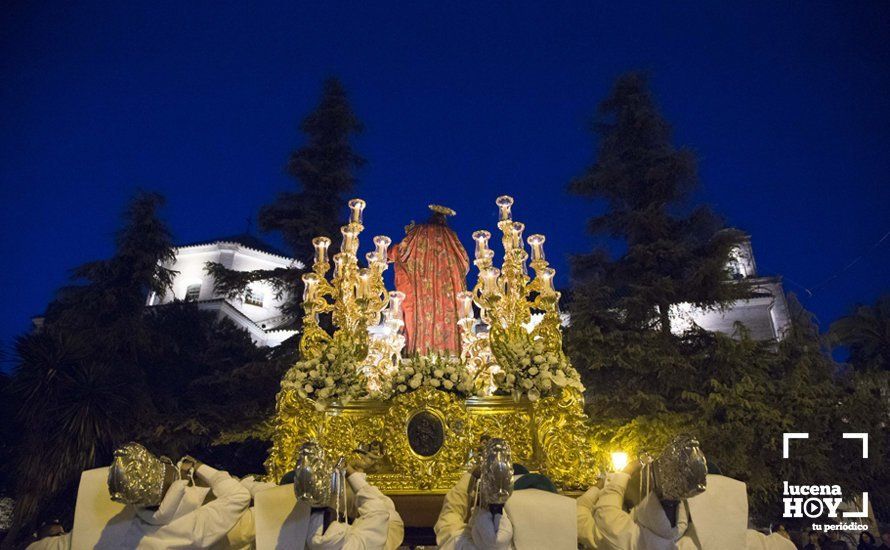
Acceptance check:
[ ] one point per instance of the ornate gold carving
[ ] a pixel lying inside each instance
(550, 435)
(427, 472)
(543, 419)
(570, 457)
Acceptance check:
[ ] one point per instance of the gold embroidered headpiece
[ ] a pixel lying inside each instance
(136, 476)
(444, 210)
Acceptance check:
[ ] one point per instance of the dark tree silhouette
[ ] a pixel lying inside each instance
(324, 170)
(866, 333)
(645, 181)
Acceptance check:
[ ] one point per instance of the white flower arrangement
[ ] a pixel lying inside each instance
(439, 372)
(529, 368)
(332, 376)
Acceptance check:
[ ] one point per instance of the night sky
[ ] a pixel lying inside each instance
(786, 104)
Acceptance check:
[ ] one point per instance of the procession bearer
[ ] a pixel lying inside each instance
(315, 512)
(500, 506)
(171, 510)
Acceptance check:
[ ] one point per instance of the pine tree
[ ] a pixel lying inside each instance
(645, 383)
(645, 181)
(106, 297)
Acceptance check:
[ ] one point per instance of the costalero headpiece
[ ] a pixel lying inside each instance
(136, 476)
(680, 472)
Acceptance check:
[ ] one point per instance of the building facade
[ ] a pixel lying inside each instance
(257, 311)
(765, 316)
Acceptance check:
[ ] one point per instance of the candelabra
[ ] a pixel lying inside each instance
(506, 298)
(355, 297)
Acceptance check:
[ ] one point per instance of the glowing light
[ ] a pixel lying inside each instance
(321, 245)
(349, 245)
(481, 237)
(619, 461)
(382, 243)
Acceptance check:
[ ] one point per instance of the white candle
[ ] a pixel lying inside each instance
(364, 283)
(536, 242)
(309, 282)
(356, 207)
(481, 237)
(350, 240)
(504, 202)
(382, 243)
(518, 228)
(321, 245)
(465, 303)
(546, 276)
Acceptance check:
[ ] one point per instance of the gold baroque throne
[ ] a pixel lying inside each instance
(511, 381)
(550, 435)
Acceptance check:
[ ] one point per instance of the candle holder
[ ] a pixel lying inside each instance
(355, 297)
(356, 208)
(507, 296)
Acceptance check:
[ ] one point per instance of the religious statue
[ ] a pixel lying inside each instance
(431, 266)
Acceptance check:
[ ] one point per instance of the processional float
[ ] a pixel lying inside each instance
(511, 380)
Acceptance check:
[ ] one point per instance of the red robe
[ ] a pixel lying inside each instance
(431, 268)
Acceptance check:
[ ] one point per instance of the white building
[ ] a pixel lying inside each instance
(257, 311)
(765, 316)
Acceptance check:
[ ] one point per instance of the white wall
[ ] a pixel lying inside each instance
(765, 317)
(190, 262)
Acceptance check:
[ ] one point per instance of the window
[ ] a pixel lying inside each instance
(192, 293)
(735, 269)
(253, 297)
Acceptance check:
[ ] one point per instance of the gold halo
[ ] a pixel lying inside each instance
(442, 209)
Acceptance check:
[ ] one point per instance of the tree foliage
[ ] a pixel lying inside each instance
(324, 171)
(671, 257)
(104, 369)
(865, 332)
(736, 395)
(324, 168)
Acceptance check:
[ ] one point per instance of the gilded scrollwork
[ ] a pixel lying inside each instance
(437, 470)
(551, 435)
(570, 456)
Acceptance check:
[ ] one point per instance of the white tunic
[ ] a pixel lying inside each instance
(377, 526)
(718, 520)
(60, 542)
(603, 524)
(530, 517)
(282, 522)
(183, 520)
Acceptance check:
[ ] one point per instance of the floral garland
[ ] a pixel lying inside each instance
(331, 376)
(526, 367)
(444, 373)
(529, 367)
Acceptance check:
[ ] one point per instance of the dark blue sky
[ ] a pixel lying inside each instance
(785, 102)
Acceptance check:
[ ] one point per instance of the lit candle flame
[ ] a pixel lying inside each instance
(536, 242)
(382, 243)
(321, 245)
